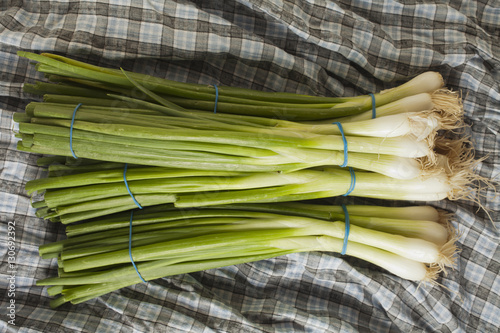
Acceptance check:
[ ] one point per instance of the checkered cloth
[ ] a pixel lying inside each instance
(328, 48)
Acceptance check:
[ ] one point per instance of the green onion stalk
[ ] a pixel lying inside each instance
(217, 149)
(78, 196)
(421, 125)
(231, 99)
(95, 258)
(441, 106)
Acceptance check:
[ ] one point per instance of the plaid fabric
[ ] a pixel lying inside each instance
(311, 47)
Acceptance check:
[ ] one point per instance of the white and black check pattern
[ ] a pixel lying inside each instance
(327, 48)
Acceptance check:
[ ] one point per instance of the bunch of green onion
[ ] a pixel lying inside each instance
(207, 162)
(414, 243)
(91, 189)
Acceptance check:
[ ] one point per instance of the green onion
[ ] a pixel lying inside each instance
(240, 101)
(170, 241)
(231, 185)
(73, 197)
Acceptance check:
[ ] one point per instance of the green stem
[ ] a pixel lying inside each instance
(230, 91)
(116, 176)
(181, 246)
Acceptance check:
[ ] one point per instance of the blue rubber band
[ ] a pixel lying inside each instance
(216, 97)
(345, 144)
(126, 185)
(71, 131)
(353, 182)
(347, 229)
(374, 107)
(131, 219)
(130, 247)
